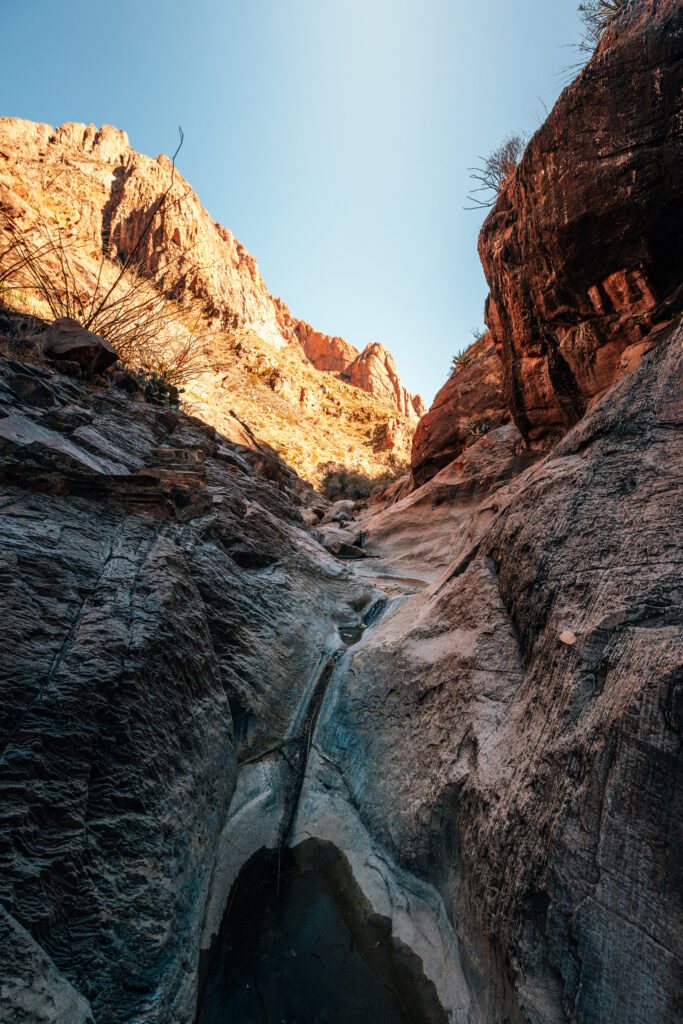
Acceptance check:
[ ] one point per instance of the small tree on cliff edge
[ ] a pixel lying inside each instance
(495, 170)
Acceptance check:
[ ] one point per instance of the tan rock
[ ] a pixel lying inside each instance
(280, 376)
(374, 370)
(324, 351)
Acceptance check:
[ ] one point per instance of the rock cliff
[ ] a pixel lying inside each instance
(582, 250)
(470, 402)
(100, 193)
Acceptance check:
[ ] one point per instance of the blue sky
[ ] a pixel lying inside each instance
(332, 137)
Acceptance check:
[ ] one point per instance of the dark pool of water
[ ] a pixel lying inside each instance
(287, 955)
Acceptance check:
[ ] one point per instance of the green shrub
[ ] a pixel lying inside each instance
(462, 361)
(473, 430)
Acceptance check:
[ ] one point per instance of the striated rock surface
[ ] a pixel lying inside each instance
(582, 251)
(163, 611)
(512, 734)
(470, 402)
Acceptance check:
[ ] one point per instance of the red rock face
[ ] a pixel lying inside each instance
(582, 251)
(323, 350)
(197, 255)
(470, 402)
(374, 370)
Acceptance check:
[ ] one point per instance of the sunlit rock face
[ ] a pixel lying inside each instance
(582, 250)
(374, 370)
(105, 193)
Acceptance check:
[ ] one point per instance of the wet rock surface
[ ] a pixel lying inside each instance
(489, 753)
(295, 947)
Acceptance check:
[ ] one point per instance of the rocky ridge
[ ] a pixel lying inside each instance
(99, 192)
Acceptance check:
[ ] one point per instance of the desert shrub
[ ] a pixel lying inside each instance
(165, 339)
(464, 359)
(596, 16)
(495, 170)
(341, 481)
(461, 361)
(473, 430)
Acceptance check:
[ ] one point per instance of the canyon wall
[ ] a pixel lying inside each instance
(473, 734)
(582, 249)
(285, 379)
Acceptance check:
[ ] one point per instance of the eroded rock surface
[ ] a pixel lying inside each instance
(163, 611)
(470, 402)
(535, 782)
(582, 250)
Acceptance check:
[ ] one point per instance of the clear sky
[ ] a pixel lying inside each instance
(332, 137)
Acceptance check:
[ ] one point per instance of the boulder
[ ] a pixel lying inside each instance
(340, 511)
(343, 550)
(309, 516)
(67, 340)
(331, 533)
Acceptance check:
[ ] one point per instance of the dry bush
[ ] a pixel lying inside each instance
(165, 338)
(495, 170)
(127, 309)
(596, 16)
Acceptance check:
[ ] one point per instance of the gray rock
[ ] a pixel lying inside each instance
(68, 340)
(340, 511)
(143, 654)
(537, 784)
(32, 989)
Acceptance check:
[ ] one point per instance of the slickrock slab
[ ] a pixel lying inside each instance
(536, 782)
